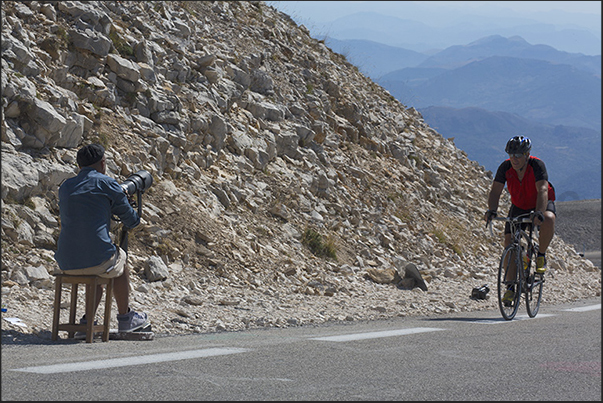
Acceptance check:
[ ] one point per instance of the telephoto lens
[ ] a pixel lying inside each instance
(140, 181)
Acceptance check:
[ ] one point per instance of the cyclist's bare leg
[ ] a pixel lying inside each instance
(547, 231)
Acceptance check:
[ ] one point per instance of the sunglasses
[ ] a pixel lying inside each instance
(516, 155)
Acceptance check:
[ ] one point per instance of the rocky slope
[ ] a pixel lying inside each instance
(288, 189)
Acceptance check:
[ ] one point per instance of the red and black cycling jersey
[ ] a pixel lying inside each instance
(523, 192)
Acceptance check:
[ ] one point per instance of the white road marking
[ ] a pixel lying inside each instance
(374, 335)
(494, 321)
(584, 308)
(210, 352)
(127, 361)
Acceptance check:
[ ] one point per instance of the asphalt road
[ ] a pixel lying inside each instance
(579, 224)
(466, 356)
(594, 257)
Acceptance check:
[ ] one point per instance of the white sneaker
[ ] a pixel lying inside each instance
(131, 321)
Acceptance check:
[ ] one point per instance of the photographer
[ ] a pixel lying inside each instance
(86, 203)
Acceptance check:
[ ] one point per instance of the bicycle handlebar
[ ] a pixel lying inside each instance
(517, 220)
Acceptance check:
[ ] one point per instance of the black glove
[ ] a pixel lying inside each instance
(539, 215)
(490, 214)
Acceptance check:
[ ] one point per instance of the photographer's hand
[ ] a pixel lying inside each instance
(132, 202)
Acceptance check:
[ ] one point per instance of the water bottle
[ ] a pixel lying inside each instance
(526, 260)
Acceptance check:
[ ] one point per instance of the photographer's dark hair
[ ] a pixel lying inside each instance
(90, 155)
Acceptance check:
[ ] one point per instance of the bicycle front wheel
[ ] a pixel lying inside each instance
(509, 286)
(534, 293)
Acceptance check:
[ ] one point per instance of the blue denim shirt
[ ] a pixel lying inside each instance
(86, 203)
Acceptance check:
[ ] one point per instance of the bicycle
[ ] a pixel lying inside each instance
(521, 253)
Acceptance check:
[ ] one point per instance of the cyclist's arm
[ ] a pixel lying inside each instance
(494, 197)
(542, 186)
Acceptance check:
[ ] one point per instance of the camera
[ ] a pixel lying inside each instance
(138, 182)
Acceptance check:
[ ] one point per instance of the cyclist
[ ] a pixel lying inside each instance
(530, 190)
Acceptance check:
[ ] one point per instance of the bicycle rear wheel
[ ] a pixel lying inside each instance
(508, 279)
(534, 293)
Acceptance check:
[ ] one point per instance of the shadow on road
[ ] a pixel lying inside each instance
(477, 319)
(10, 336)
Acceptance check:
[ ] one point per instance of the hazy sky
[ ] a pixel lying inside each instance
(546, 11)
(571, 26)
(589, 7)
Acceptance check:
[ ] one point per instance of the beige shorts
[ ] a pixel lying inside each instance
(111, 268)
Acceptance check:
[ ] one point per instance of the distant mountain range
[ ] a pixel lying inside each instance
(485, 92)
(376, 59)
(572, 154)
(546, 92)
(515, 46)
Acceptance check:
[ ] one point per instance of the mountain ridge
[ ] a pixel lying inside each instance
(514, 46)
(523, 86)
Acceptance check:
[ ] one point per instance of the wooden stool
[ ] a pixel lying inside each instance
(89, 328)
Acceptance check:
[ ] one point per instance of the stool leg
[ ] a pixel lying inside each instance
(90, 305)
(73, 308)
(108, 301)
(58, 284)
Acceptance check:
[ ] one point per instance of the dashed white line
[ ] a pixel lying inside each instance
(186, 355)
(374, 335)
(523, 317)
(127, 361)
(584, 308)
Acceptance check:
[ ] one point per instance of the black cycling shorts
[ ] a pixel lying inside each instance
(515, 211)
